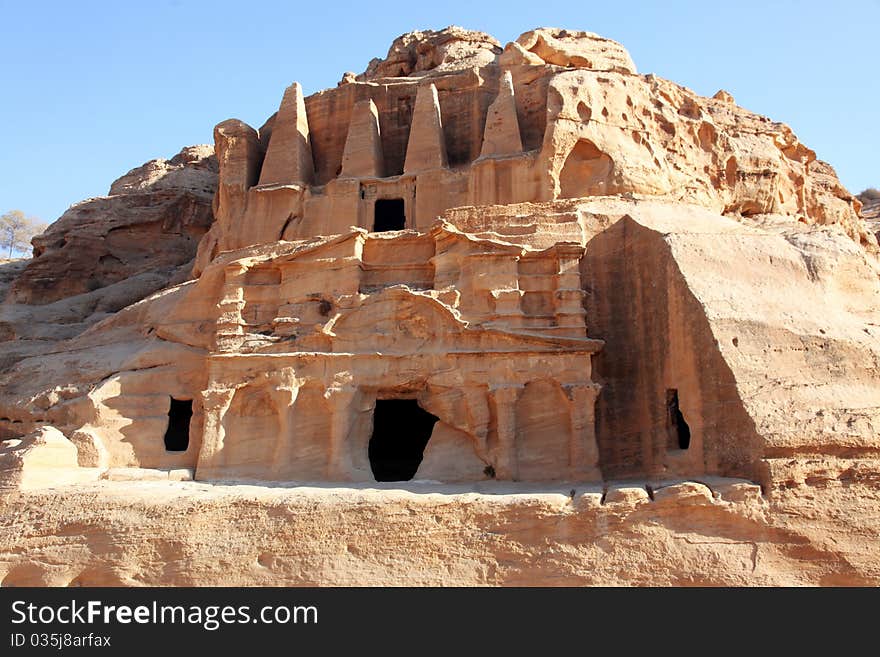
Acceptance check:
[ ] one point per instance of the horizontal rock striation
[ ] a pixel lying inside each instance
(152, 220)
(572, 323)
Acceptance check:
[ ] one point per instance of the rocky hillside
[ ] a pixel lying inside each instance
(150, 222)
(455, 227)
(870, 200)
(106, 253)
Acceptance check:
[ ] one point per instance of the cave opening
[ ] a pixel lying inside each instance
(401, 430)
(390, 214)
(680, 432)
(177, 433)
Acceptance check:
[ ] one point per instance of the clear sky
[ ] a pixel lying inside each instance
(92, 89)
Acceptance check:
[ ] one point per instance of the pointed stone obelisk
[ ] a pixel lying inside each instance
(289, 156)
(426, 148)
(501, 135)
(363, 146)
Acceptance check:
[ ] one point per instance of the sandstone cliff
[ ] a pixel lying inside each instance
(634, 332)
(106, 253)
(152, 220)
(577, 120)
(871, 213)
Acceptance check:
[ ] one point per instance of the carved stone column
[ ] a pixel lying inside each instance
(583, 450)
(479, 416)
(569, 297)
(342, 409)
(215, 403)
(503, 400)
(229, 328)
(285, 402)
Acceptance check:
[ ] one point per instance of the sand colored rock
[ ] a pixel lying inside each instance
(718, 533)
(43, 458)
(587, 128)
(363, 146)
(501, 136)
(452, 48)
(774, 338)
(871, 215)
(106, 253)
(426, 148)
(627, 331)
(152, 221)
(724, 96)
(573, 48)
(193, 170)
(289, 156)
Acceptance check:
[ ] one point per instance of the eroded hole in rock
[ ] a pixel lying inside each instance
(587, 172)
(401, 430)
(177, 433)
(679, 431)
(584, 112)
(390, 215)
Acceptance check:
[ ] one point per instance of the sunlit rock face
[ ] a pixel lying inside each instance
(495, 270)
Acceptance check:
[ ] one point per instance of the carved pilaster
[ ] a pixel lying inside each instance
(215, 403)
(569, 297)
(503, 447)
(479, 415)
(583, 450)
(285, 402)
(342, 414)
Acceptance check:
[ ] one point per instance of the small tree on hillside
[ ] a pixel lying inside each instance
(870, 194)
(16, 231)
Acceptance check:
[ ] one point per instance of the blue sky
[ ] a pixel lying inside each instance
(93, 89)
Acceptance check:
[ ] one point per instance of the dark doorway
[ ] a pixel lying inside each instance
(679, 431)
(177, 433)
(401, 430)
(390, 215)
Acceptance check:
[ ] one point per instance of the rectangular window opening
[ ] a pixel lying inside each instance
(177, 433)
(389, 215)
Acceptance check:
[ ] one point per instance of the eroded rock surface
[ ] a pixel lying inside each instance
(630, 333)
(691, 534)
(151, 221)
(871, 214)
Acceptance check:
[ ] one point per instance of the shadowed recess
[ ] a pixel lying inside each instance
(390, 215)
(401, 430)
(681, 432)
(177, 433)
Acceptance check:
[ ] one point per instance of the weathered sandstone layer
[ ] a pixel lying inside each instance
(871, 215)
(151, 221)
(610, 332)
(689, 534)
(106, 253)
